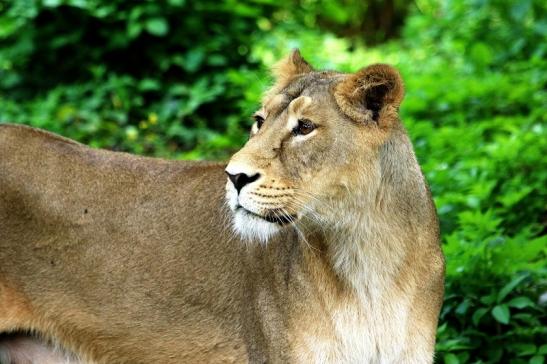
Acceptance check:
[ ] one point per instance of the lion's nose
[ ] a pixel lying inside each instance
(239, 180)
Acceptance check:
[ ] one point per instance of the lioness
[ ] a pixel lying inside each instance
(321, 245)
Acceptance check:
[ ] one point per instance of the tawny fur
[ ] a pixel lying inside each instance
(123, 259)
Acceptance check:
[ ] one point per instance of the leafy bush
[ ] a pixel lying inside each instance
(148, 77)
(180, 79)
(476, 113)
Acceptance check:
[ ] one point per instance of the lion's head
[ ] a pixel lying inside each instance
(314, 147)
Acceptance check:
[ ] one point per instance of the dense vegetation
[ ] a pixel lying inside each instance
(180, 78)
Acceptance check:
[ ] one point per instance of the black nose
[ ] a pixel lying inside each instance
(241, 179)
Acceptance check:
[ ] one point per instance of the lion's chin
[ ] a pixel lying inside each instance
(254, 228)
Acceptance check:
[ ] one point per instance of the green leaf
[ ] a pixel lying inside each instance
(134, 29)
(477, 315)
(488, 300)
(454, 344)
(513, 197)
(501, 313)
(52, 3)
(149, 84)
(521, 302)
(494, 354)
(451, 359)
(157, 26)
(510, 286)
(542, 349)
(463, 307)
(524, 349)
(537, 359)
(193, 59)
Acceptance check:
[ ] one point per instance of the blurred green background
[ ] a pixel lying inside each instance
(180, 79)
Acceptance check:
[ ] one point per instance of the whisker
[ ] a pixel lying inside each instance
(299, 232)
(312, 215)
(296, 202)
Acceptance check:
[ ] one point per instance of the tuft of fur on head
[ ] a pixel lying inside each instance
(290, 67)
(371, 95)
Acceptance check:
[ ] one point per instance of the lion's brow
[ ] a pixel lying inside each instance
(280, 108)
(294, 89)
(274, 109)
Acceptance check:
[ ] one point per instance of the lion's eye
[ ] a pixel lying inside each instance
(259, 120)
(304, 127)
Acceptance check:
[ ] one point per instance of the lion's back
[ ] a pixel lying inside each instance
(57, 192)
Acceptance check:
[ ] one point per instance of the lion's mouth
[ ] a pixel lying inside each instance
(273, 216)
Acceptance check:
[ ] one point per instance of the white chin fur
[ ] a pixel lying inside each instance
(249, 227)
(252, 228)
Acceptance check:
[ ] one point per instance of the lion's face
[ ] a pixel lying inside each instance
(306, 148)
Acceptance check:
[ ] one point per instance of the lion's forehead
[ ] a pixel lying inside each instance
(316, 85)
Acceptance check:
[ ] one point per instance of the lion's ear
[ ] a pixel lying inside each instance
(372, 94)
(291, 66)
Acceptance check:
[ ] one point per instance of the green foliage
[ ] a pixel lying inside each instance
(147, 77)
(180, 79)
(476, 113)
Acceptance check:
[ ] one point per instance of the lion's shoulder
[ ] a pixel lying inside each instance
(17, 132)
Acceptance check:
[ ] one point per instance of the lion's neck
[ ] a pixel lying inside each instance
(357, 280)
(372, 235)
(363, 253)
